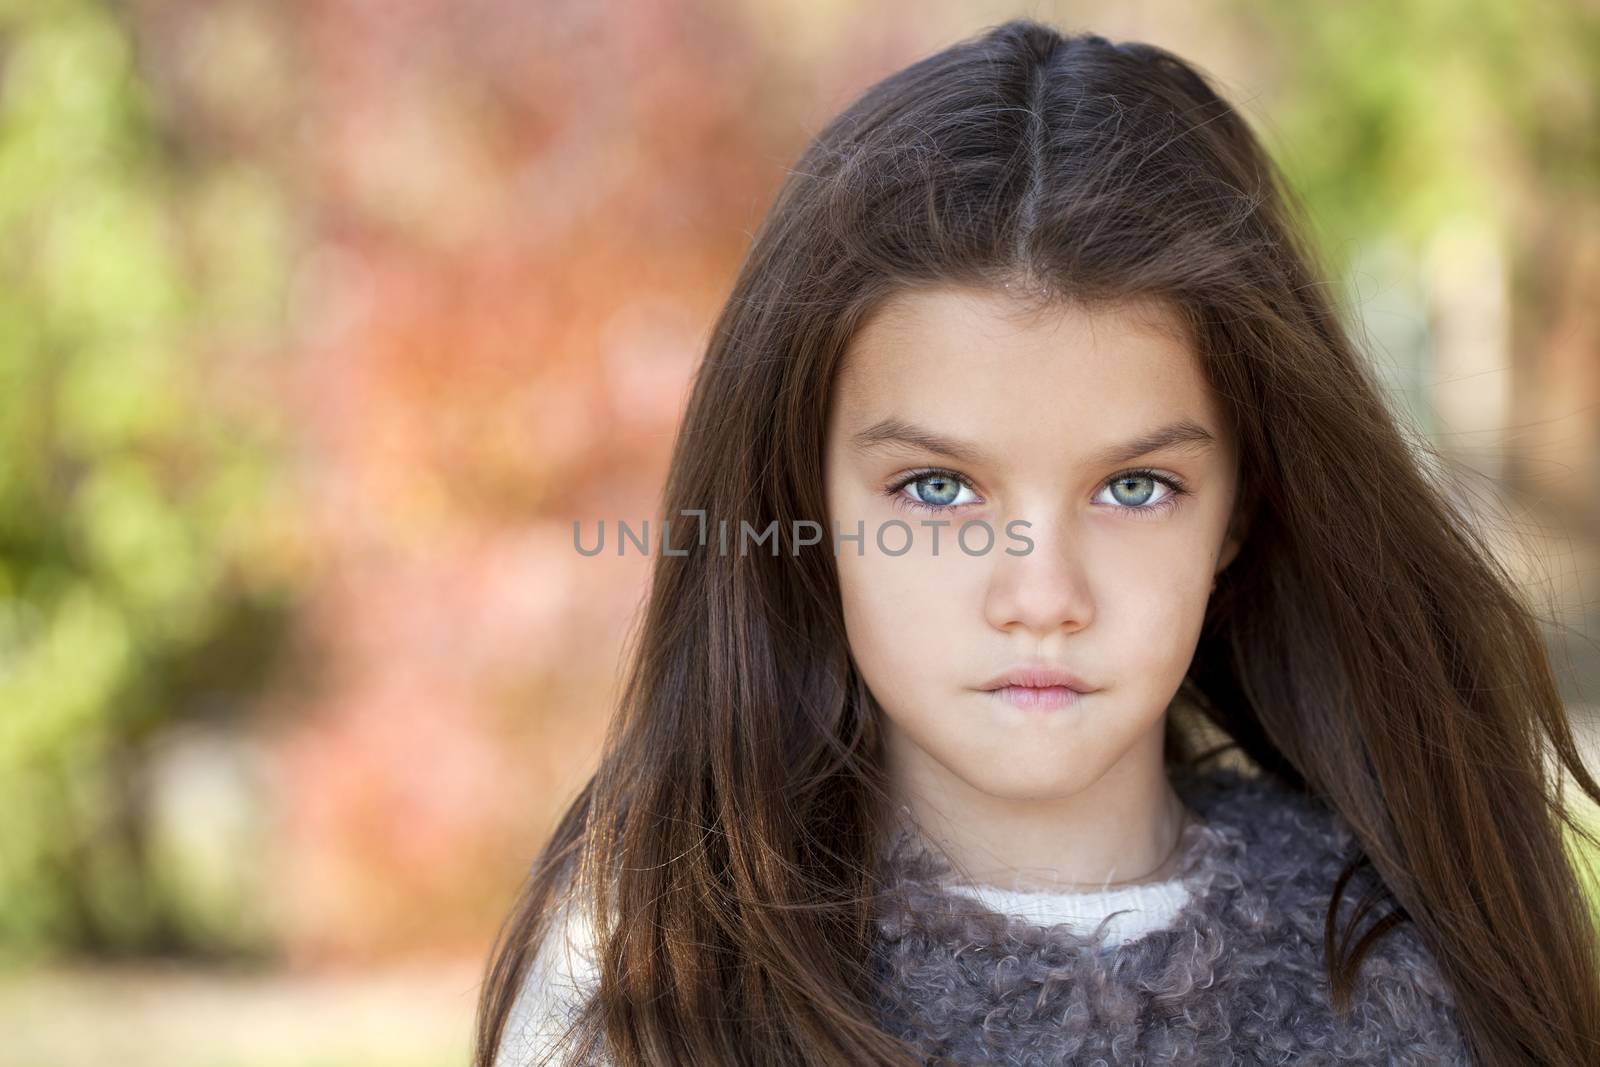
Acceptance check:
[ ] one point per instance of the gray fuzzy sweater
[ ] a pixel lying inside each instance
(1237, 977)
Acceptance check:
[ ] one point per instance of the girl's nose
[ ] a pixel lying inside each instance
(1043, 590)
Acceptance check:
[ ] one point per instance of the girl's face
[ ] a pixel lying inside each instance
(951, 408)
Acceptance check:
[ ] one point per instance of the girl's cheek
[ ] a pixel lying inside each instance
(918, 587)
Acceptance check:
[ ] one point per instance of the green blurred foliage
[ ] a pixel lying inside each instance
(135, 584)
(1381, 104)
(1586, 857)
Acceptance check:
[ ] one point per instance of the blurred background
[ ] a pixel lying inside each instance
(321, 322)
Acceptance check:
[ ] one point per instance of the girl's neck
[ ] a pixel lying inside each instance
(1125, 829)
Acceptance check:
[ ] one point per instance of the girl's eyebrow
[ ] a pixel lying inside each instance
(1186, 434)
(893, 431)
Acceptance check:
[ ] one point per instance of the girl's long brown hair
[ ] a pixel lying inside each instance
(1365, 644)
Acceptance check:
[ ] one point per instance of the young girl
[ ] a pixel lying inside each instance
(1058, 655)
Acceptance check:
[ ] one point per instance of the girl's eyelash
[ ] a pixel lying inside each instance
(1144, 511)
(896, 497)
(1167, 503)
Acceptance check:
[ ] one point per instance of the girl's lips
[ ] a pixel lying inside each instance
(1045, 697)
(1039, 676)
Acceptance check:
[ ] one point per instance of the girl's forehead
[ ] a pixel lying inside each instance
(928, 344)
(963, 366)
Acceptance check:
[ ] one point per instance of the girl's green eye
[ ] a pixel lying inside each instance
(934, 490)
(1135, 490)
(1131, 491)
(937, 489)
